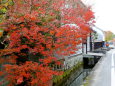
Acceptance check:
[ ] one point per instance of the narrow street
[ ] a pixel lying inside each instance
(104, 72)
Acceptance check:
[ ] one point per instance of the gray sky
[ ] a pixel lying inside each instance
(104, 13)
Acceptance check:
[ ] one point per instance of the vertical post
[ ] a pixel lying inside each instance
(86, 46)
(90, 42)
(82, 47)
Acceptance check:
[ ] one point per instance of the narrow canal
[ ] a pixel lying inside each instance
(89, 63)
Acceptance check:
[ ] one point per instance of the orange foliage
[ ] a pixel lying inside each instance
(1, 34)
(35, 28)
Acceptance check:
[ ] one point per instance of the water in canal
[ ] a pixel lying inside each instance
(79, 80)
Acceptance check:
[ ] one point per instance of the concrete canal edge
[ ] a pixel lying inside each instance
(88, 80)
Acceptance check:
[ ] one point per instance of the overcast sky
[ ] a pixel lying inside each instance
(104, 13)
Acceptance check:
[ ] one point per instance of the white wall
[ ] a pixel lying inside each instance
(88, 43)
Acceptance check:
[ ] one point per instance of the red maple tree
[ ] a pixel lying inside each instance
(35, 37)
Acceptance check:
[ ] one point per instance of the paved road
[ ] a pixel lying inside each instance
(104, 72)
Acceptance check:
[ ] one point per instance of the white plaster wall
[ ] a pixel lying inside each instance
(88, 43)
(84, 48)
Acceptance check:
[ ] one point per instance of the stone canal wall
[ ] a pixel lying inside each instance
(69, 75)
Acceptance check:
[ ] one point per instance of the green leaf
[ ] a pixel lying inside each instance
(3, 10)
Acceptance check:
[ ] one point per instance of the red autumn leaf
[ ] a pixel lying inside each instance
(19, 80)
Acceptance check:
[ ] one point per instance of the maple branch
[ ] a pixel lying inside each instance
(31, 3)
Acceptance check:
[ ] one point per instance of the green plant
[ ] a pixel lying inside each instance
(60, 80)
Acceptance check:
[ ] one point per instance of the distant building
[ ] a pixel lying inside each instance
(99, 37)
